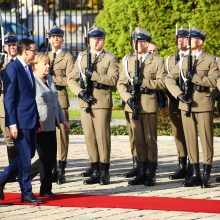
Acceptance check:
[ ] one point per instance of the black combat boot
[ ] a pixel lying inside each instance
(141, 176)
(54, 174)
(134, 171)
(104, 174)
(151, 175)
(180, 173)
(61, 172)
(195, 179)
(12, 154)
(88, 172)
(188, 170)
(2, 196)
(206, 175)
(95, 177)
(218, 179)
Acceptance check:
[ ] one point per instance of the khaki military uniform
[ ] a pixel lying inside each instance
(145, 128)
(201, 117)
(62, 67)
(5, 130)
(96, 126)
(175, 115)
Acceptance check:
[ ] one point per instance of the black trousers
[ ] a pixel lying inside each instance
(47, 150)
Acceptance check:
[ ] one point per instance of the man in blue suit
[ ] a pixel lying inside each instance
(21, 117)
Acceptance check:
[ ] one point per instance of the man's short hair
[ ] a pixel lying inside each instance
(24, 44)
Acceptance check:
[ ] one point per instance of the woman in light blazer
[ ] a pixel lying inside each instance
(51, 115)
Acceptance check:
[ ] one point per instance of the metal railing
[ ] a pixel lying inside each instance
(30, 18)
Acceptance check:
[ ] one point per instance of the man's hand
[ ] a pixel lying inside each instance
(137, 81)
(86, 97)
(14, 131)
(132, 104)
(2, 60)
(184, 98)
(88, 73)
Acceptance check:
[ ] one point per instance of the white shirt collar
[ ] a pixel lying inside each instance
(198, 54)
(97, 53)
(22, 61)
(144, 56)
(57, 52)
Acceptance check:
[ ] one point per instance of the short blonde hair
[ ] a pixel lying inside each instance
(39, 57)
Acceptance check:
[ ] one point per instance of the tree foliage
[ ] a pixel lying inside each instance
(160, 17)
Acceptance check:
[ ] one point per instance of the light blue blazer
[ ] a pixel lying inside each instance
(50, 112)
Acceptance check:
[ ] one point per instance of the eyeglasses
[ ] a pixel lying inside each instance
(33, 50)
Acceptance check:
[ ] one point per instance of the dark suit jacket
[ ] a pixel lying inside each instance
(19, 94)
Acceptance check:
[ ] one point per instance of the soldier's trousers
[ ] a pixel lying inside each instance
(199, 123)
(177, 130)
(63, 139)
(97, 134)
(145, 136)
(131, 135)
(6, 132)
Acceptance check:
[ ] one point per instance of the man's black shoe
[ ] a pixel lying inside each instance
(48, 195)
(31, 199)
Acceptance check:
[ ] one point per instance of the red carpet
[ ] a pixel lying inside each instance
(127, 202)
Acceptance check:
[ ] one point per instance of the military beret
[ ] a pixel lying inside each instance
(10, 38)
(55, 31)
(95, 32)
(182, 32)
(141, 34)
(196, 33)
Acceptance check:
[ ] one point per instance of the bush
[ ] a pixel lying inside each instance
(160, 17)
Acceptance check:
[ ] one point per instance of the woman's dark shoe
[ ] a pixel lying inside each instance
(48, 195)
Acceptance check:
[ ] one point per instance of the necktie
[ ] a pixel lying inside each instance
(53, 61)
(94, 56)
(29, 73)
(11, 60)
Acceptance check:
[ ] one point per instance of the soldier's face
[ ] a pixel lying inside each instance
(142, 46)
(195, 43)
(182, 43)
(97, 44)
(152, 48)
(56, 41)
(11, 49)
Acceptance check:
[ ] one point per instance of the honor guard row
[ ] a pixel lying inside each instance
(189, 76)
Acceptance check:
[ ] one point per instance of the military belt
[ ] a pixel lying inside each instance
(99, 86)
(130, 89)
(60, 88)
(200, 88)
(197, 88)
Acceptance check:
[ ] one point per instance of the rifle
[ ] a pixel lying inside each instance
(47, 45)
(2, 56)
(136, 91)
(177, 56)
(88, 83)
(188, 85)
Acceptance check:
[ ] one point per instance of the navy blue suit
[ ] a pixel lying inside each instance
(20, 109)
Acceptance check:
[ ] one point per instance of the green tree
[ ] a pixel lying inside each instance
(160, 17)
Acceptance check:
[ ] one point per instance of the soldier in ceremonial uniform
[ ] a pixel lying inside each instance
(144, 126)
(61, 65)
(10, 47)
(174, 61)
(93, 86)
(196, 105)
